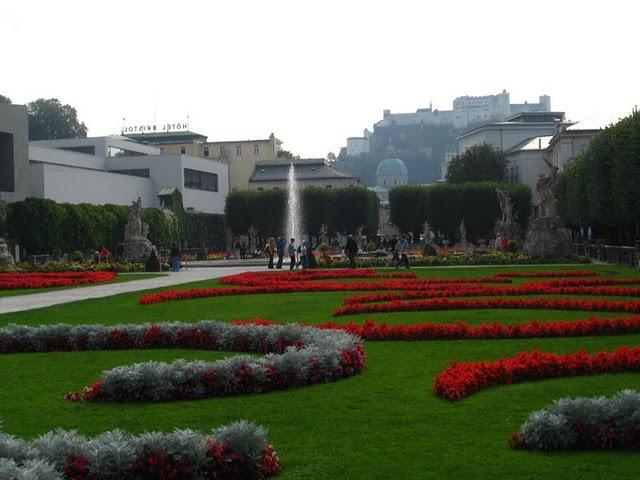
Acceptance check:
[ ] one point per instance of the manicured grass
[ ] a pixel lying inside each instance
(385, 423)
(122, 277)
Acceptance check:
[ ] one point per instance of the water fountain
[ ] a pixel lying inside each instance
(294, 217)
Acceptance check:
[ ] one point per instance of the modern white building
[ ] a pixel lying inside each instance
(515, 129)
(110, 169)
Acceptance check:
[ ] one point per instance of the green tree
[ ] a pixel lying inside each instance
(49, 119)
(479, 163)
(4, 99)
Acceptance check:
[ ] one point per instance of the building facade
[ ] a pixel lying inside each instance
(241, 156)
(100, 170)
(14, 145)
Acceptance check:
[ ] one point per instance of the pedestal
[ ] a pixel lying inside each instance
(547, 238)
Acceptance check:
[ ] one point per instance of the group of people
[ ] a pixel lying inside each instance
(399, 248)
(300, 256)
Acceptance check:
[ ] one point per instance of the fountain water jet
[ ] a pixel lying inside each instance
(294, 208)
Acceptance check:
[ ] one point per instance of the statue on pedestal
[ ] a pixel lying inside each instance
(463, 234)
(507, 224)
(324, 230)
(6, 259)
(545, 235)
(136, 244)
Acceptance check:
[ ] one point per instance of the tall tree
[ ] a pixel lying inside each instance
(479, 163)
(4, 99)
(49, 119)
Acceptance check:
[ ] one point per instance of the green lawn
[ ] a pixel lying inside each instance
(122, 277)
(385, 423)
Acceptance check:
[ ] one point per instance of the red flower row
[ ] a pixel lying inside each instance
(564, 273)
(463, 379)
(274, 286)
(10, 281)
(486, 291)
(370, 330)
(490, 303)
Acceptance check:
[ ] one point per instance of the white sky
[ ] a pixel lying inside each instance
(315, 72)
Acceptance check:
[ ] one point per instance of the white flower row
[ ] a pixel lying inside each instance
(113, 454)
(585, 423)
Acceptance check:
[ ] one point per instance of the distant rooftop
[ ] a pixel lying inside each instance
(532, 144)
(308, 169)
(159, 138)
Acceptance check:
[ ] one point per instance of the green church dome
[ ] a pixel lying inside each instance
(391, 166)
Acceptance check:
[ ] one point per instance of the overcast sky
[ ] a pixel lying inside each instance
(315, 72)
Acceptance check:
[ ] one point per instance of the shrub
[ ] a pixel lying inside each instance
(585, 423)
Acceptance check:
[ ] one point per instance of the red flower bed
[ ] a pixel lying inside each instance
(11, 281)
(487, 291)
(258, 282)
(490, 303)
(565, 273)
(370, 330)
(463, 379)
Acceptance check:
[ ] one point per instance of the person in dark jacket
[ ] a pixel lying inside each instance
(174, 255)
(280, 244)
(292, 253)
(351, 250)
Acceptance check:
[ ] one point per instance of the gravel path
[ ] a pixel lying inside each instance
(19, 303)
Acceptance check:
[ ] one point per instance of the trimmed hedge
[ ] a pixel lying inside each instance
(445, 205)
(41, 226)
(342, 210)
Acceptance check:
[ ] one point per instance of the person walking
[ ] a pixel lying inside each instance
(174, 255)
(104, 254)
(243, 250)
(302, 255)
(393, 246)
(351, 250)
(280, 244)
(270, 250)
(292, 253)
(403, 246)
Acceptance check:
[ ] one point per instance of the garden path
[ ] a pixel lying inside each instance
(20, 303)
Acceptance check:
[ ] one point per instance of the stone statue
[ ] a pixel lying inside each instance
(506, 206)
(6, 259)
(324, 230)
(360, 235)
(136, 244)
(253, 239)
(545, 235)
(463, 233)
(429, 236)
(546, 195)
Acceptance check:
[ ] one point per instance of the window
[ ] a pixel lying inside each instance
(328, 187)
(256, 149)
(183, 150)
(223, 151)
(136, 172)
(200, 180)
(238, 150)
(260, 189)
(161, 150)
(206, 151)
(121, 152)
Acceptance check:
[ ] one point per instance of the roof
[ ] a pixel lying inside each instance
(378, 189)
(532, 144)
(167, 137)
(391, 166)
(279, 172)
(167, 191)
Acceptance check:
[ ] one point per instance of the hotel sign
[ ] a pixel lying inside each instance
(155, 128)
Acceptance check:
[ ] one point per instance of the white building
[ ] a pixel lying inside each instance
(110, 169)
(467, 111)
(358, 145)
(515, 129)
